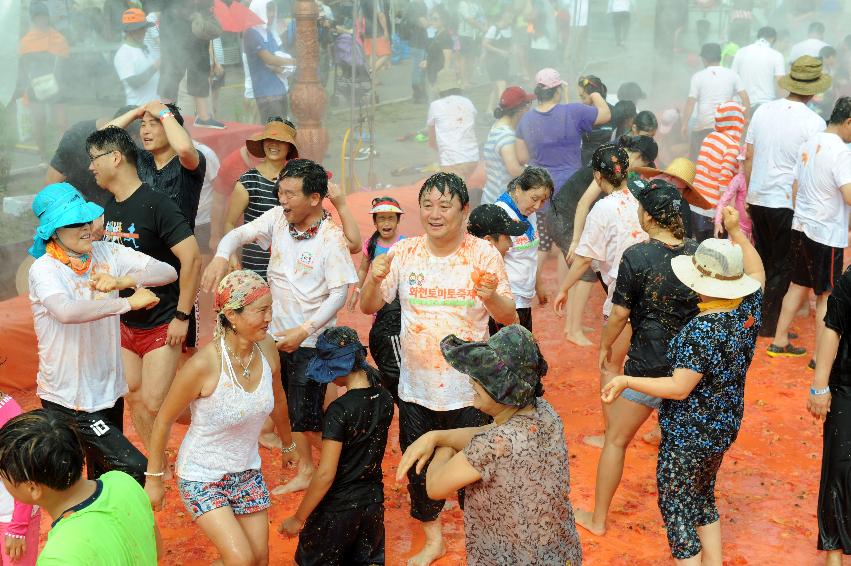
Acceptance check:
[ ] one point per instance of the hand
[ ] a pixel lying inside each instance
(486, 287)
(719, 230)
(605, 358)
(217, 269)
(684, 129)
(156, 492)
(542, 293)
(154, 107)
(418, 453)
(423, 64)
(614, 388)
(571, 252)
(234, 264)
(819, 405)
(289, 340)
(15, 547)
(731, 220)
(216, 70)
(177, 331)
(336, 195)
(289, 459)
(560, 303)
(105, 283)
(290, 527)
(353, 300)
(380, 267)
(143, 298)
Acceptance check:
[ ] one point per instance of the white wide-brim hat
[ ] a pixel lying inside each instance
(715, 270)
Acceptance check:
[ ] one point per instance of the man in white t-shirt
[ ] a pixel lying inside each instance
(810, 46)
(134, 63)
(819, 226)
(775, 135)
(309, 273)
(759, 66)
(452, 127)
(448, 282)
(709, 88)
(205, 202)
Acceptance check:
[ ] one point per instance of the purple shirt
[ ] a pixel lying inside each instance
(554, 138)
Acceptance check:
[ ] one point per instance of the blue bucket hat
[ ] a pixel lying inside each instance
(56, 206)
(337, 349)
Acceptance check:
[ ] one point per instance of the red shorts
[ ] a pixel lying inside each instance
(140, 341)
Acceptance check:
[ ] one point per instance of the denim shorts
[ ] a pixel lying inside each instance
(641, 398)
(244, 492)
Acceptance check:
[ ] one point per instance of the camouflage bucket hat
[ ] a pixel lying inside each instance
(508, 366)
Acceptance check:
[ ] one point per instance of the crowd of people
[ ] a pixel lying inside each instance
(704, 229)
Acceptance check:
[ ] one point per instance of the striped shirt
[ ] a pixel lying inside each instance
(717, 162)
(262, 195)
(497, 174)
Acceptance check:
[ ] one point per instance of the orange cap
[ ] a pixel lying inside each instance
(133, 19)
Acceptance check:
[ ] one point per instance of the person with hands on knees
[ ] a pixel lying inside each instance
(341, 518)
(703, 400)
(829, 399)
(448, 282)
(309, 273)
(231, 385)
(514, 472)
(139, 218)
(78, 288)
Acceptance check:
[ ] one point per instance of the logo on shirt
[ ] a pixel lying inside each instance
(99, 427)
(113, 233)
(416, 279)
(305, 262)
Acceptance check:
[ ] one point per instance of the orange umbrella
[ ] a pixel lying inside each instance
(234, 16)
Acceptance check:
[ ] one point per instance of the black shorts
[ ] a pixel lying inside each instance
(469, 47)
(194, 327)
(815, 266)
(545, 238)
(191, 59)
(304, 396)
(347, 536)
(524, 317)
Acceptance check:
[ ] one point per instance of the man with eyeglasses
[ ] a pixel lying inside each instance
(140, 218)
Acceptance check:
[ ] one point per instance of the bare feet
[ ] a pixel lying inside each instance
(432, 550)
(585, 519)
(298, 483)
(578, 338)
(596, 441)
(654, 437)
(271, 441)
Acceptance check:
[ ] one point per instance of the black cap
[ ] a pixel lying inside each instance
(630, 91)
(645, 145)
(660, 199)
(492, 220)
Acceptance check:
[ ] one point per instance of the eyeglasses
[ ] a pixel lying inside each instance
(92, 159)
(78, 224)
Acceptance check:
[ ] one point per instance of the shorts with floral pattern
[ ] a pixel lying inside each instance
(244, 492)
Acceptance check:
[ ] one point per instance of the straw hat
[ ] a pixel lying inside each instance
(277, 131)
(684, 170)
(806, 77)
(715, 270)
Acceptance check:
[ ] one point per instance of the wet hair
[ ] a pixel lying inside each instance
(592, 83)
(645, 121)
(624, 112)
(113, 138)
(767, 32)
(544, 94)
(43, 447)
(816, 28)
(639, 145)
(313, 176)
(342, 335)
(711, 52)
(446, 183)
(176, 111)
(674, 224)
(826, 51)
(499, 111)
(226, 324)
(543, 368)
(532, 178)
(841, 111)
(611, 161)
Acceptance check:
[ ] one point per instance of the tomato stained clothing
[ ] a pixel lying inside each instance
(438, 298)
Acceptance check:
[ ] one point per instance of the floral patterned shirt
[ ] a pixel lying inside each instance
(520, 511)
(720, 346)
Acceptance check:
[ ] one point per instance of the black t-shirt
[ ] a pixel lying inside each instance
(563, 210)
(175, 181)
(660, 305)
(413, 31)
(599, 134)
(150, 223)
(434, 54)
(360, 420)
(72, 160)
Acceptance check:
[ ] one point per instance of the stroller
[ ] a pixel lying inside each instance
(348, 55)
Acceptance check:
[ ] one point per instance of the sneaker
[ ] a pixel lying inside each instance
(787, 351)
(210, 123)
(811, 365)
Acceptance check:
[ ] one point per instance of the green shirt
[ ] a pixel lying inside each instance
(113, 527)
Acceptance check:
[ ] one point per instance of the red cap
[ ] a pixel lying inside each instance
(514, 96)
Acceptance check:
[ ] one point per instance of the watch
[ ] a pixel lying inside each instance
(182, 316)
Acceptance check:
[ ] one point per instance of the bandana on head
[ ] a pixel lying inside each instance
(236, 290)
(310, 232)
(337, 349)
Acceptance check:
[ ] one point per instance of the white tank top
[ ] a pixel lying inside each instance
(223, 436)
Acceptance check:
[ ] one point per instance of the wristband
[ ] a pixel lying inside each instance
(288, 449)
(823, 391)
(165, 114)
(154, 475)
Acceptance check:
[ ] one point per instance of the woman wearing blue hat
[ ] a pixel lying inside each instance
(74, 290)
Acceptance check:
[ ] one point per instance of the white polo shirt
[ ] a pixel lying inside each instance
(759, 65)
(710, 87)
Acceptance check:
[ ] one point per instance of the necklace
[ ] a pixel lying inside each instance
(246, 368)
